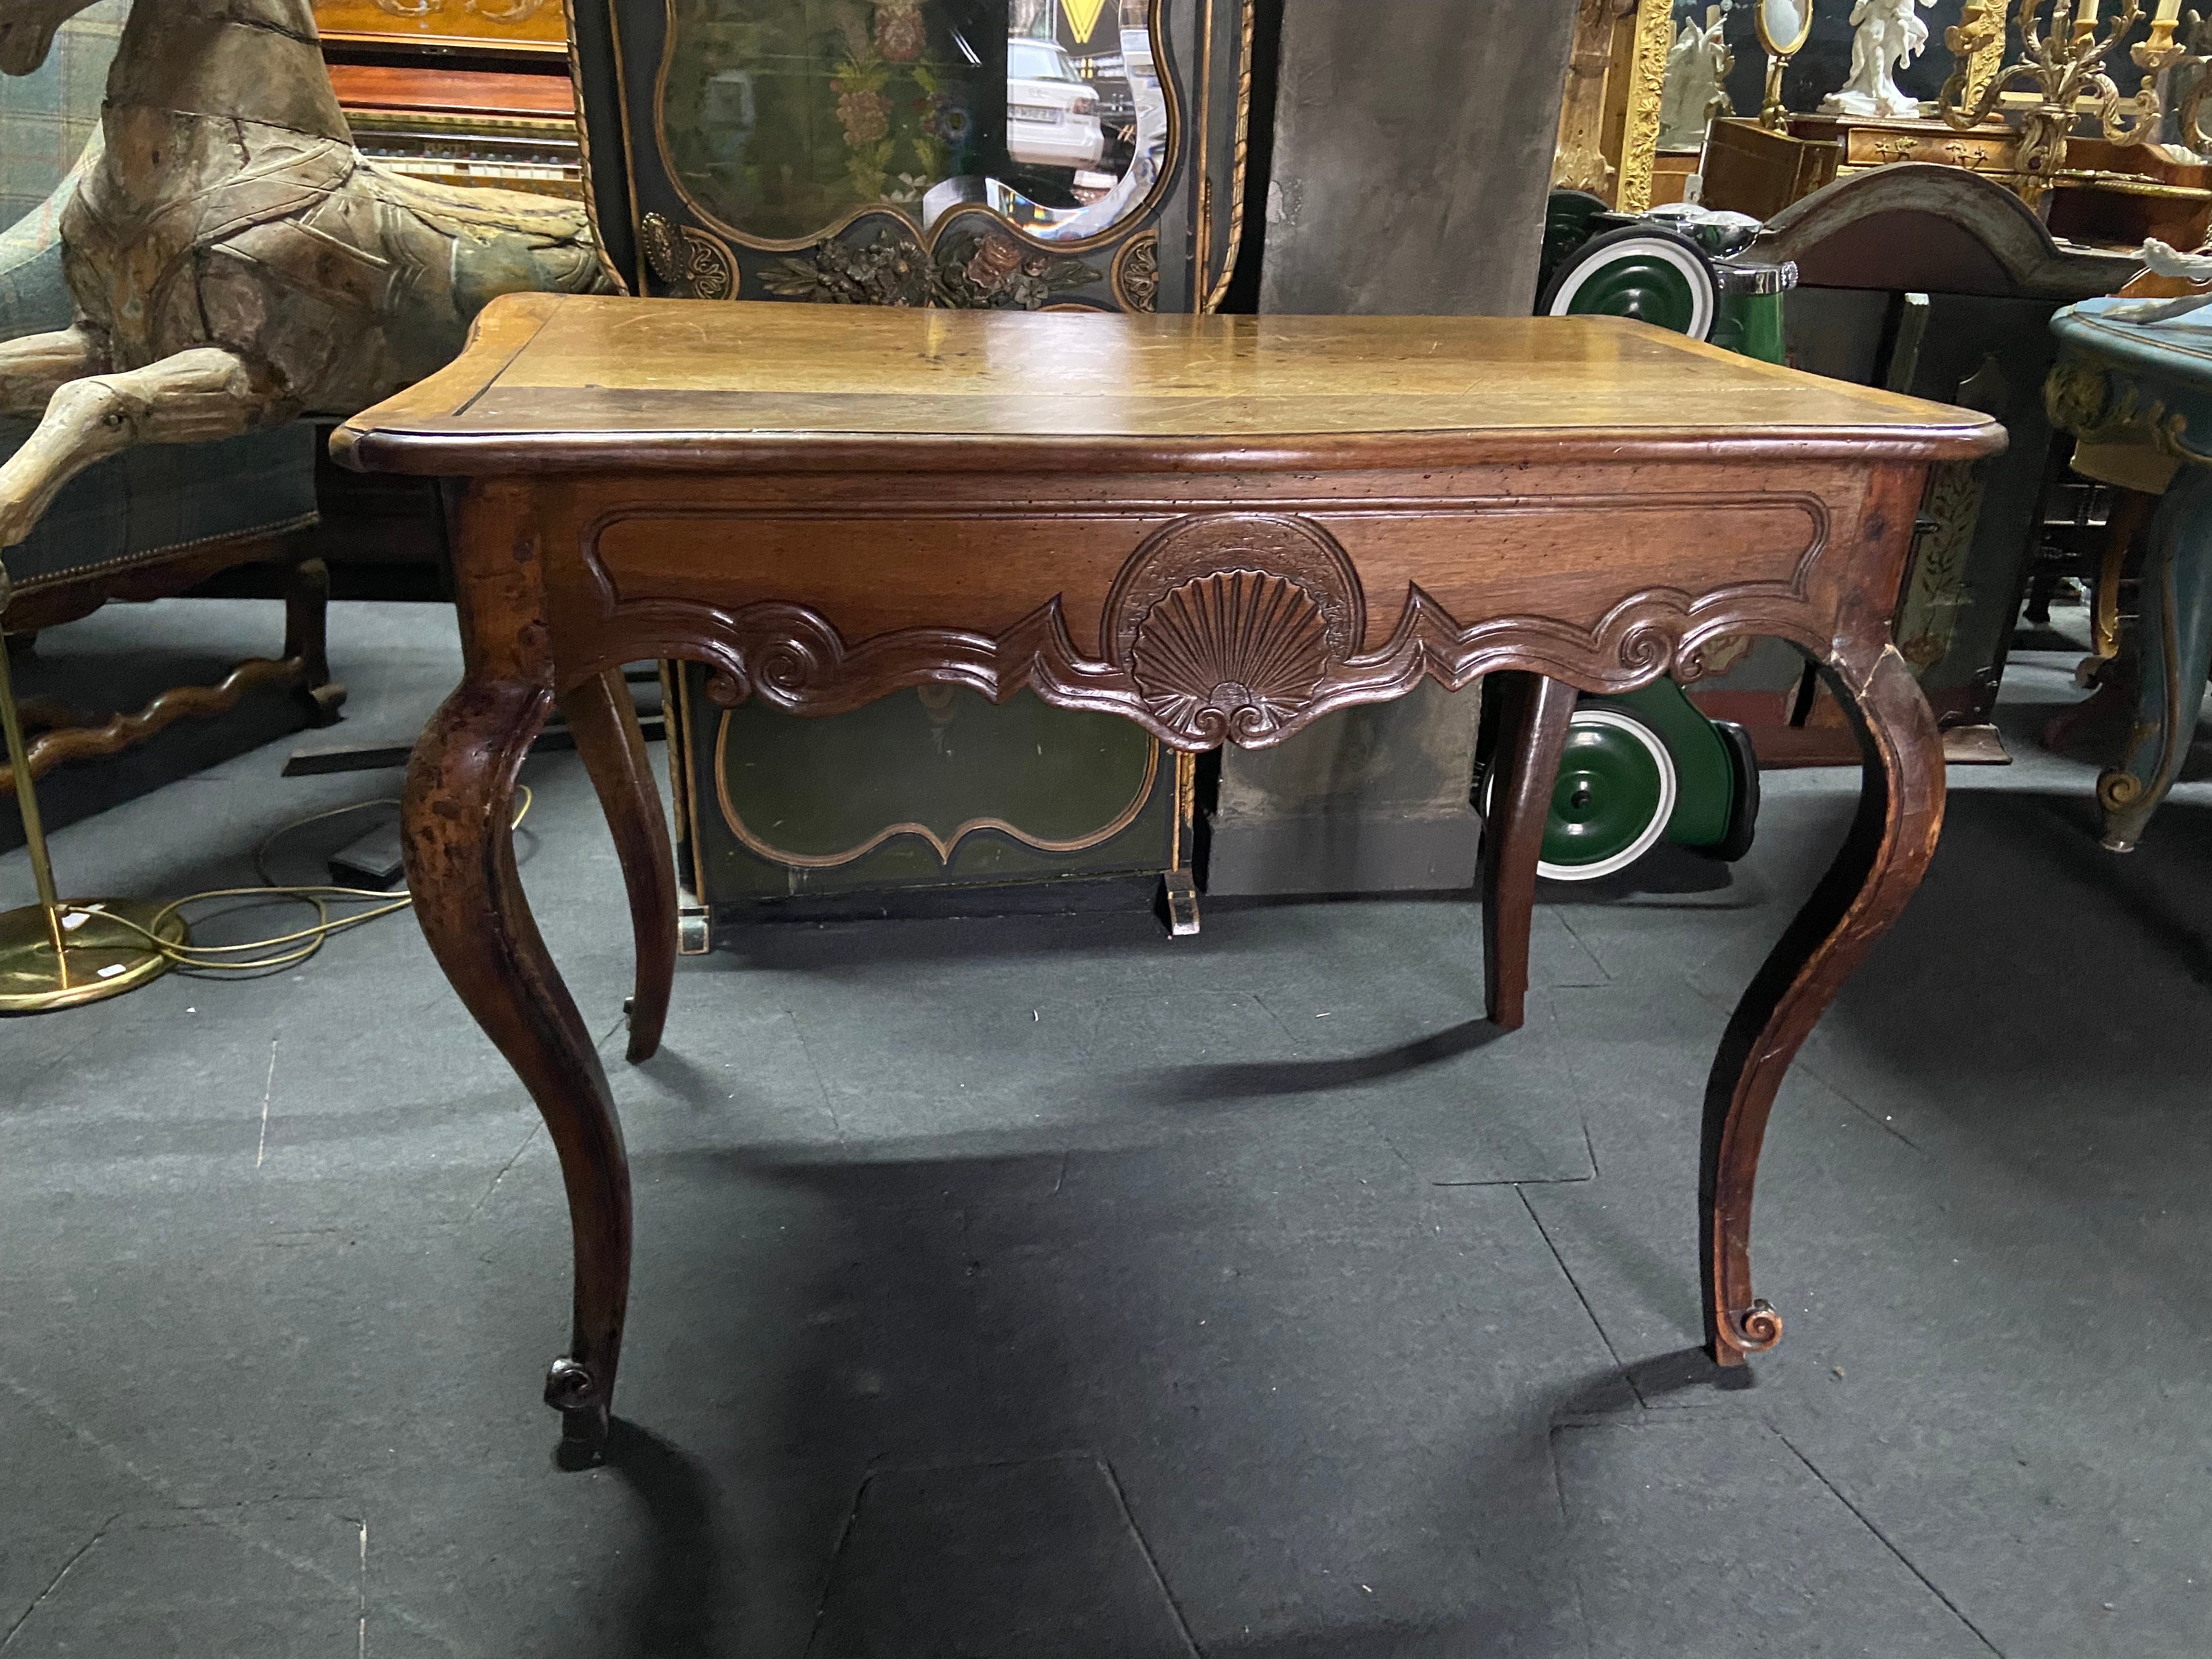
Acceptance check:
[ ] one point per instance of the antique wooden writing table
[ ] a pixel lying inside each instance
(1219, 528)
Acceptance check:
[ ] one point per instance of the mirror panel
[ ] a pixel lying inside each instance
(780, 120)
(1027, 154)
(1784, 25)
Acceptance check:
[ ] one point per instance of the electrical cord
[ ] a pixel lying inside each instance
(305, 941)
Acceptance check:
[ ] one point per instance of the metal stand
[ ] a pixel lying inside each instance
(55, 955)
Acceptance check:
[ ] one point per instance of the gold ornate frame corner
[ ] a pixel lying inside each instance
(1608, 137)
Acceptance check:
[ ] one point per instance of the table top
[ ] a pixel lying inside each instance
(2179, 351)
(559, 381)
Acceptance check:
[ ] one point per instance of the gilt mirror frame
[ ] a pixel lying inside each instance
(1609, 135)
(1172, 250)
(1775, 43)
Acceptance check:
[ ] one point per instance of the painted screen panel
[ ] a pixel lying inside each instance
(781, 119)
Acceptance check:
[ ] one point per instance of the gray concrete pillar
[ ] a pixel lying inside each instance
(1413, 152)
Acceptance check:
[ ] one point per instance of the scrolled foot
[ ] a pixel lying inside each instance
(2127, 806)
(1875, 873)
(571, 1390)
(1750, 1330)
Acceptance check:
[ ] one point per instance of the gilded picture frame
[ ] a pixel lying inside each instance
(1608, 136)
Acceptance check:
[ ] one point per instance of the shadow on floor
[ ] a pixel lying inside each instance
(1250, 1080)
(2047, 1001)
(691, 1573)
(902, 1327)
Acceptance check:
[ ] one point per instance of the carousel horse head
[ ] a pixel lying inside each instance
(26, 31)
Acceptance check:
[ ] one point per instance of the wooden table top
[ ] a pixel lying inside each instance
(558, 381)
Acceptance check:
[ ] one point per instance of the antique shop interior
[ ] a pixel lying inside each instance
(869, 829)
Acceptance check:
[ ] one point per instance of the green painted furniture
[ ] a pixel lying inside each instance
(905, 155)
(2138, 395)
(919, 800)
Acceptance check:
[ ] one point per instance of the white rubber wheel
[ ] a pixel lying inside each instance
(1670, 788)
(1663, 246)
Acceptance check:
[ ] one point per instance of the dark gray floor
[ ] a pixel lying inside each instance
(1034, 1287)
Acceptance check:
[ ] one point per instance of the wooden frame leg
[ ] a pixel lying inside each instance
(460, 867)
(603, 718)
(1532, 733)
(2175, 643)
(1891, 841)
(306, 612)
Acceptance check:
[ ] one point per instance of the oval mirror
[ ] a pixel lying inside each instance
(1784, 25)
(782, 119)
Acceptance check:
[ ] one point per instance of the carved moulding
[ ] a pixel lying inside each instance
(696, 264)
(2098, 406)
(1222, 628)
(968, 266)
(1137, 272)
(1647, 80)
(1580, 162)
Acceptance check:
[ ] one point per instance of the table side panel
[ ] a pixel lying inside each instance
(1332, 588)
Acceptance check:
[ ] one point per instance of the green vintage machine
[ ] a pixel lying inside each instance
(1646, 766)
(1679, 266)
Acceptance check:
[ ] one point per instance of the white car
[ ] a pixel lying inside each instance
(1052, 114)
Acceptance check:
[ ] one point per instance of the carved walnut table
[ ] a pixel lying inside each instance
(1219, 528)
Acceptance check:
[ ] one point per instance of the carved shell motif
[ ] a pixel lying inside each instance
(1234, 652)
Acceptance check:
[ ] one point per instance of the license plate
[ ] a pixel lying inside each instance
(1043, 114)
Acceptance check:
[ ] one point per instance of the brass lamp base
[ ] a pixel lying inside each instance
(101, 959)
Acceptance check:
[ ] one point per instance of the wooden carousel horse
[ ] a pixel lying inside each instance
(235, 264)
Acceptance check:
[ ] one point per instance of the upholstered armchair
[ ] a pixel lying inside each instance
(158, 519)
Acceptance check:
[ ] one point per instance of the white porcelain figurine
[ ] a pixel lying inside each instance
(1693, 92)
(2163, 261)
(1890, 33)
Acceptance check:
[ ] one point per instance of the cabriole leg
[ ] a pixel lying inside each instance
(1891, 841)
(459, 817)
(1532, 733)
(2174, 639)
(460, 867)
(604, 720)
